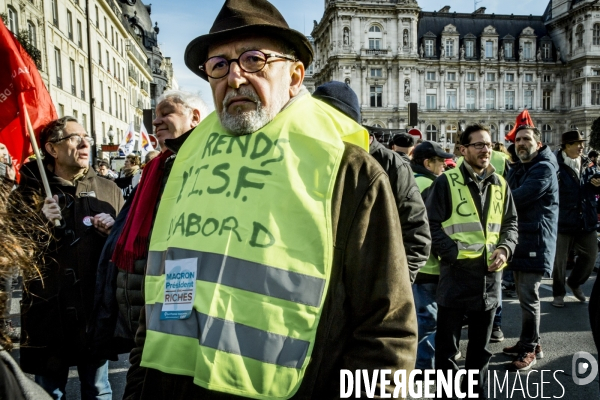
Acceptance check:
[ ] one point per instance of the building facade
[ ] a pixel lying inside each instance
(100, 60)
(464, 68)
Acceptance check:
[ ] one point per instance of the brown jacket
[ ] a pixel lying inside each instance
(368, 320)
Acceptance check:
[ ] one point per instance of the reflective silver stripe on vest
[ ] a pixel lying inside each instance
(245, 275)
(494, 227)
(231, 337)
(490, 248)
(460, 228)
(471, 247)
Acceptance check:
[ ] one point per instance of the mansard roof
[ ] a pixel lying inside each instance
(476, 23)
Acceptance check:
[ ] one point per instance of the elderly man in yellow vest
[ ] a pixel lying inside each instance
(473, 223)
(274, 260)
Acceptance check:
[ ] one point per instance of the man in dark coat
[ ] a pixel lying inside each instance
(534, 185)
(470, 276)
(577, 219)
(411, 209)
(403, 144)
(56, 309)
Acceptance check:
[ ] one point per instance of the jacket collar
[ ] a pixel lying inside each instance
(421, 170)
(175, 144)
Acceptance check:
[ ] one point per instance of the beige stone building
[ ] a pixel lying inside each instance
(100, 60)
(464, 68)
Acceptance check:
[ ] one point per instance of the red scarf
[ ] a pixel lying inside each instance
(134, 242)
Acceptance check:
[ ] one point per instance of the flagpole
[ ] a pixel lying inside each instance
(38, 156)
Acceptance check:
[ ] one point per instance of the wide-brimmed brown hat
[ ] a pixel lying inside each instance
(243, 18)
(572, 137)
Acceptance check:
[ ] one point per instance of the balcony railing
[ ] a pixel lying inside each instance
(59, 81)
(73, 90)
(83, 95)
(376, 52)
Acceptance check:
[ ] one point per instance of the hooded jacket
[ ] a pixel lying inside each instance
(577, 197)
(467, 283)
(534, 186)
(411, 209)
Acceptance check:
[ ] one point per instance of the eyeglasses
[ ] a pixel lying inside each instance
(250, 61)
(75, 139)
(480, 145)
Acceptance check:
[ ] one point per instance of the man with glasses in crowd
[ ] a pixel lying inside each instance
(279, 230)
(57, 305)
(473, 222)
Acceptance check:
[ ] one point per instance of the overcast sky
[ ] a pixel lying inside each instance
(180, 21)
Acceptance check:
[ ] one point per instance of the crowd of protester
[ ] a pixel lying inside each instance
(359, 223)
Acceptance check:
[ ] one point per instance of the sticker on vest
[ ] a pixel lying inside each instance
(533, 254)
(180, 288)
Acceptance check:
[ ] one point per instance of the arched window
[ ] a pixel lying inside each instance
(13, 20)
(432, 133)
(596, 38)
(579, 36)
(546, 134)
(494, 133)
(508, 128)
(375, 38)
(32, 33)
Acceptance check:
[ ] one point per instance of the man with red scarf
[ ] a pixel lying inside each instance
(119, 296)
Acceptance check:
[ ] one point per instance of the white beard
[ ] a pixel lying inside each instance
(241, 123)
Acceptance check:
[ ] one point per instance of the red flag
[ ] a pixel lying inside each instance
(23, 86)
(522, 119)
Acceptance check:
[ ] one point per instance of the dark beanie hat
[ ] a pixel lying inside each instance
(403, 140)
(341, 97)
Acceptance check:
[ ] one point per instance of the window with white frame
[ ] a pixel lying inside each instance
(508, 128)
(547, 78)
(451, 76)
(546, 99)
(509, 99)
(546, 51)
(375, 37)
(546, 133)
(13, 20)
(595, 94)
(431, 101)
(527, 50)
(429, 49)
(508, 50)
(431, 75)
(510, 77)
(432, 133)
(449, 48)
(489, 49)
(471, 76)
(451, 130)
(451, 99)
(54, 8)
(376, 96)
(490, 76)
(70, 25)
(58, 64)
(490, 99)
(579, 36)
(376, 72)
(528, 99)
(528, 77)
(578, 91)
(471, 95)
(596, 35)
(32, 31)
(469, 48)
(73, 78)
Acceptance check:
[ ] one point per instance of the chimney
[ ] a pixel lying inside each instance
(480, 10)
(445, 9)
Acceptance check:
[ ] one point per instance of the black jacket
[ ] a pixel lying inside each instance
(411, 209)
(577, 203)
(467, 283)
(119, 298)
(534, 187)
(56, 310)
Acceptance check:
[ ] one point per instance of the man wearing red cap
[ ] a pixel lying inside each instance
(271, 263)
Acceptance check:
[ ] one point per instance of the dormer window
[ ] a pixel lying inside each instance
(429, 52)
(449, 48)
(527, 50)
(489, 49)
(469, 48)
(546, 51)
(509, 50)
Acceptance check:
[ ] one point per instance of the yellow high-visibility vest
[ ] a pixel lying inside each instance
(252, 217)
(464, 225)
(432, 266)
